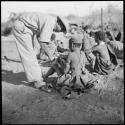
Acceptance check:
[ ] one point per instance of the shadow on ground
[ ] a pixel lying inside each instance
(13, 78)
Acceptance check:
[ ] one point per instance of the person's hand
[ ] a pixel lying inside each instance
(53, 61)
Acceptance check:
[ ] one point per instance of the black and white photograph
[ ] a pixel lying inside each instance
(62, 62)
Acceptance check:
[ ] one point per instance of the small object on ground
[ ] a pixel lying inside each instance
(45, 88)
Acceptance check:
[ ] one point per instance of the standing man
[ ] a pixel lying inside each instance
(26, 25)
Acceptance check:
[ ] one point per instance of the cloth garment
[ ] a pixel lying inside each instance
(105, 60)
(23, 37)
(40, 24)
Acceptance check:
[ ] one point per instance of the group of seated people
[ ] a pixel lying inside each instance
(85, 46)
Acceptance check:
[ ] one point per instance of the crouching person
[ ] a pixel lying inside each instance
(106, 60)
(25, 26)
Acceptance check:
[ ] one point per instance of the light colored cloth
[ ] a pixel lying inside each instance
(24, 29)
(23, 37)
(104, 64)
(40, 24)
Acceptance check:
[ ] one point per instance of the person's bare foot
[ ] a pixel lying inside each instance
(39, 84)
(45, 88)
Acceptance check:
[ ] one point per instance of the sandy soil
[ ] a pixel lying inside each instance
(22, 104)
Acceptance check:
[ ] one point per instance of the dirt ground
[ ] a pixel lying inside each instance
(22, 104)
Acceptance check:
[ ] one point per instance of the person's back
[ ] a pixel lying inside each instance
(77, 59)
(104, 57)
(103, 51)
(26, 25)
(33, 18)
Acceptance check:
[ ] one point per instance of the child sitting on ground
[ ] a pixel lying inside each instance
(76, 65)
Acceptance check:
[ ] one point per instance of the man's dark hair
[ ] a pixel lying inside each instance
(92, 34)
(100, 35)
(115, 29)
(86, 27)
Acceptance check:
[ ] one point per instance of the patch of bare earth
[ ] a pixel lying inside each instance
(22, 104)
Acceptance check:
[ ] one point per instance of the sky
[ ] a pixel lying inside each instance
(63, 8)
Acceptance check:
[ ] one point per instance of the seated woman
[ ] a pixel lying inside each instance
(106, 60)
